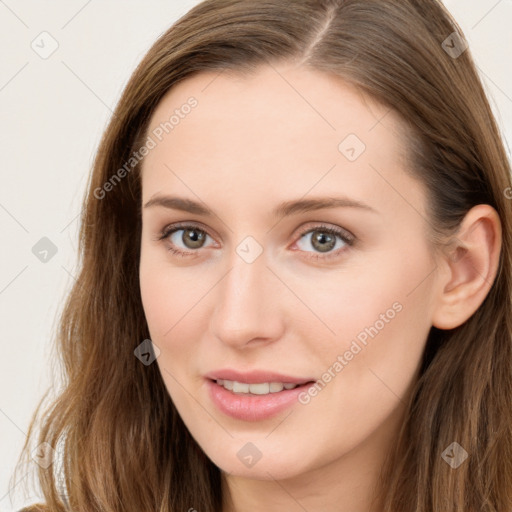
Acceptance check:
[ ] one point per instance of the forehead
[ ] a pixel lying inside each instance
(284, 94)
(281, 128)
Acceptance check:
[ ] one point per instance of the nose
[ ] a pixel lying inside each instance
(247, 311)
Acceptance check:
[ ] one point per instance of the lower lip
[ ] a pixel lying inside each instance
(253, 407)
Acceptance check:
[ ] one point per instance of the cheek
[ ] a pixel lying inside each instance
(168, 293)
(381, 320)
(381, 317)
(174, 300)
(157, 300)
(165, 307)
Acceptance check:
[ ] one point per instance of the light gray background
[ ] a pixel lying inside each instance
(53, 112)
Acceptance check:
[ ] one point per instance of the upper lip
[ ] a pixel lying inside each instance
(255, 376)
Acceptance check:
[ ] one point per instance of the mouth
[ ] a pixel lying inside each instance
(254, 401)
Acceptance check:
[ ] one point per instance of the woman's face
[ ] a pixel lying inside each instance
(268, 286)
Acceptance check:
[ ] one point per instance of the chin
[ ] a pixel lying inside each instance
(273, 466)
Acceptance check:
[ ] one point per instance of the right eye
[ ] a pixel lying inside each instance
(191, 235)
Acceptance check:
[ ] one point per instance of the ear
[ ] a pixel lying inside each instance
(471, 265)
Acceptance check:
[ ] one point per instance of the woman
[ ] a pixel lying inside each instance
(295, 285)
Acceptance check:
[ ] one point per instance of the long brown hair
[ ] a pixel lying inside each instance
(121, 442)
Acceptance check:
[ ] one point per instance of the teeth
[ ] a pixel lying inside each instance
(263, 388)
(275, 387)
(260, 389)
(240, 387)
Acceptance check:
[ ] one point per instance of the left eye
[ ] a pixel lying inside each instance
(324, 239)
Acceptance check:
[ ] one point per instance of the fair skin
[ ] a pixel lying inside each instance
(250, 144)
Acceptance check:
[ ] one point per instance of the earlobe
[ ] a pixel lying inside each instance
(472, 261)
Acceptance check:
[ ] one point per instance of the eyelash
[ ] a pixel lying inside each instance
(347, 239)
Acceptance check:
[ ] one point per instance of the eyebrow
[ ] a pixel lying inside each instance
(284, 209)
